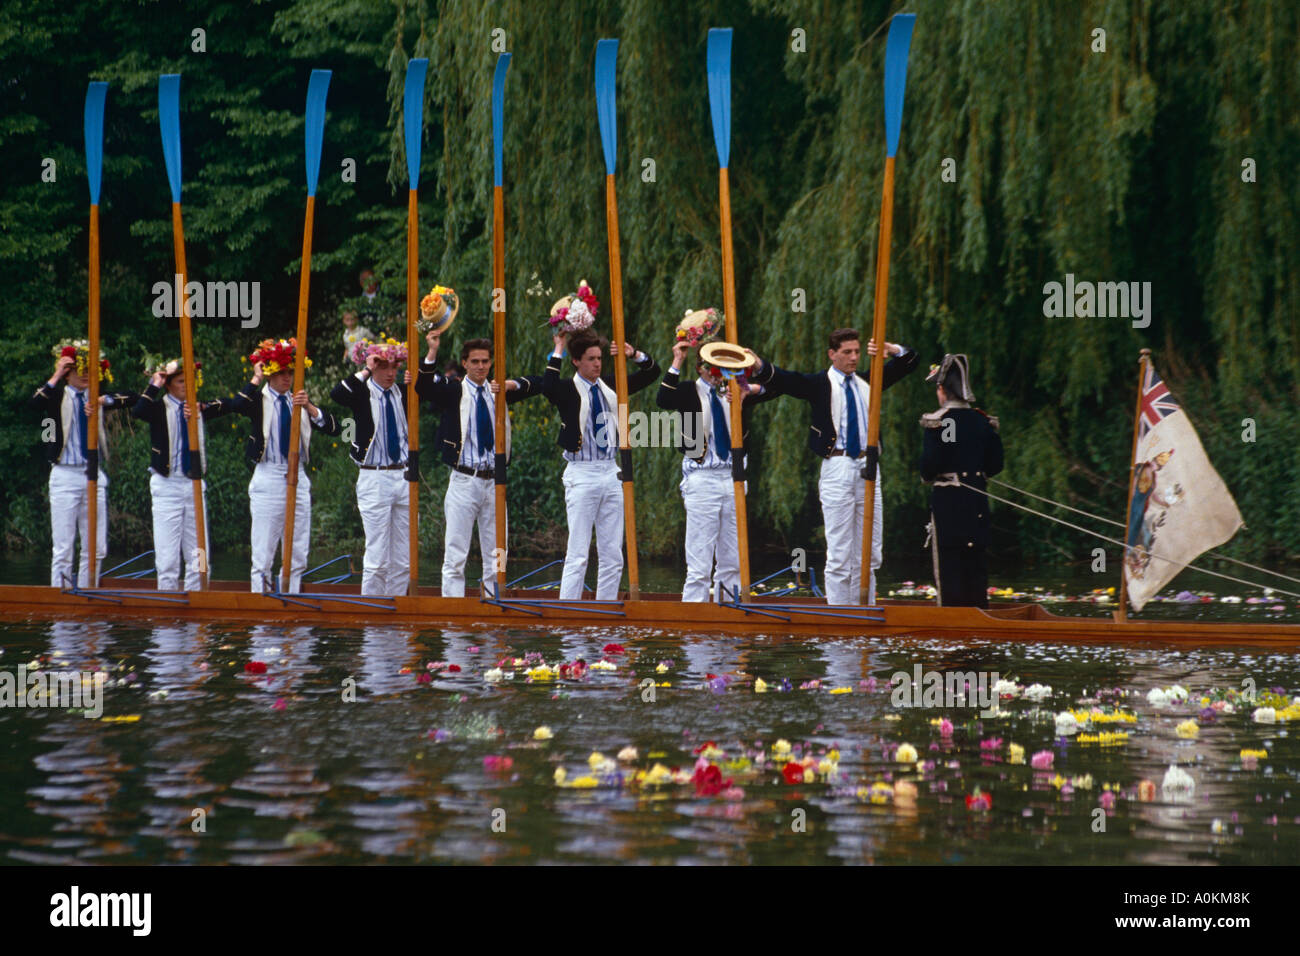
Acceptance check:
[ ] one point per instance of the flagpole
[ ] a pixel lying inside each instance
(718, 64)
(607, 115)
(314, 123)
(169, 119)
(1121, 613)
(413, 110)
(896, 50)
(499, 314)
(94, 135)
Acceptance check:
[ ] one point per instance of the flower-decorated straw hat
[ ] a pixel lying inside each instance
(700, 327)
(276, 355)
(575, 312)
(438, 310)
(80, 350)
(385, 346)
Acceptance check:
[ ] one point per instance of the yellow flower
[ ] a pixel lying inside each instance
(603, 666)
(560, 775)
(1016, 754)
(1188, 730)
(540, 672)
(585, 782)
(906, 754)
(711, 752)
(543, 733)
(808, 775)
(1249, 754)
(781, 748)
(659, 774)
(596, 759)
(841, 690)
(760, 686)
(662, 668)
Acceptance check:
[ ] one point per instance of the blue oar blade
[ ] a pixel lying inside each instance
(169, 121)
(896, 47)
(719, 65)
(413, 108)
(606, 105)
(317, 89)
(94, 129)
(499, 116)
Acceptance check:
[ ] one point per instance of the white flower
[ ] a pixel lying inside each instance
(627, 754)
(1264, 715)
(1177, 781)
(1178, 694)
(1008, 687)
(1066, 723)
(1038, 692)
(1157, 697)
(493, 675)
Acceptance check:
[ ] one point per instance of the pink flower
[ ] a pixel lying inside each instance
(1042, 760)
(279, 704)
(945, 727)
(494, 764)
(1108, 800)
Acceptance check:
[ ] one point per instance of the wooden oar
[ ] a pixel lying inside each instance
(1121, 612)
(317, 88)
(499, 308)
(169, 120)
(719, 72)
(94, 131)
(896, 47)
(607, 115)
(413, 110)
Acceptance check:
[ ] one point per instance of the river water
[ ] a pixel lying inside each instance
(267, 744)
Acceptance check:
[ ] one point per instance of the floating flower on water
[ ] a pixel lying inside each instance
(1157, 697)
(1264, 715)
(494, 675)
(614, 649)
(945, 727)
(585, 782)
(1188, 729)
(709, 751)
(1042, 760)
(841, 690)
(1207, 715)
(1015, 754)
(1038, 692)
(979, 800)
(905, 793)
(1147, 791)
(1066, 723)
(1250, 758)
(439, 735)
(1106, 738)
(543, 733)
(717, 684)
(708, 781)
(1178, 694)
(1107, 800)
(560, 774)
(496, 764)
(1216, 825)
(760, 686)
(1006, 688)
(255, 667)
(1177, 781)
(604, 666)
(596, 759)
(656, 776)
(453, 668)
(880, 792)
(661, 667)
(810, 685)
(991, 743)
(1082, 783)
(279, 704)
(627, 754)
(781, 747)
(793, 772)
(906, 753)
(540, 672)
(424, 678)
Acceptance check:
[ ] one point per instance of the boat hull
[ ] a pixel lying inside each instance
(800, 617)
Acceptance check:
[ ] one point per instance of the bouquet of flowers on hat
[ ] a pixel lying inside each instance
(276, 355)
(80, 350)
(436, 307)
(699, 327)
(155, 364)
(386, 347)
(575, 312)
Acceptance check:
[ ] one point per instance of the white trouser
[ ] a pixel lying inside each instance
(383, 498)
(469, 499)
(710, 498)
(843, 495)
(174, 534)
(593, 498)
(266, 499)
(70, 517)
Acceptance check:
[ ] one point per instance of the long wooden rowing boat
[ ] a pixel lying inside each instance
(798, 617)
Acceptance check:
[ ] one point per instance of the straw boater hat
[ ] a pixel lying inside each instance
(959, 366)
(700, 327)
(575, 312)
(438, 310)
(728, 357)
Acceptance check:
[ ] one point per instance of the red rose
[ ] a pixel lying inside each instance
(68, 352)
(424, 678)
(614, 649)
(254, 667)
(793, 772)
(708, 781)
(979, 800)
(453, 668)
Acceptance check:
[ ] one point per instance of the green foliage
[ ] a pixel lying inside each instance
(1124, 165)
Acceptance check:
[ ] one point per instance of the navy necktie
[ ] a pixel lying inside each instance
(721, 443)
(597, 409)
(390, 420)
(486, 439)
(284, 426)
(852, 441)
(81, 422)
(183, 435)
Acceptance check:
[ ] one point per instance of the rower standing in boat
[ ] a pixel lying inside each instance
(840, 398)
(707, 487)
(588, 407)
(63, 404)
(172, 473)
(267, 450)
(380, 450)
(467, 440)
(961, 446)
